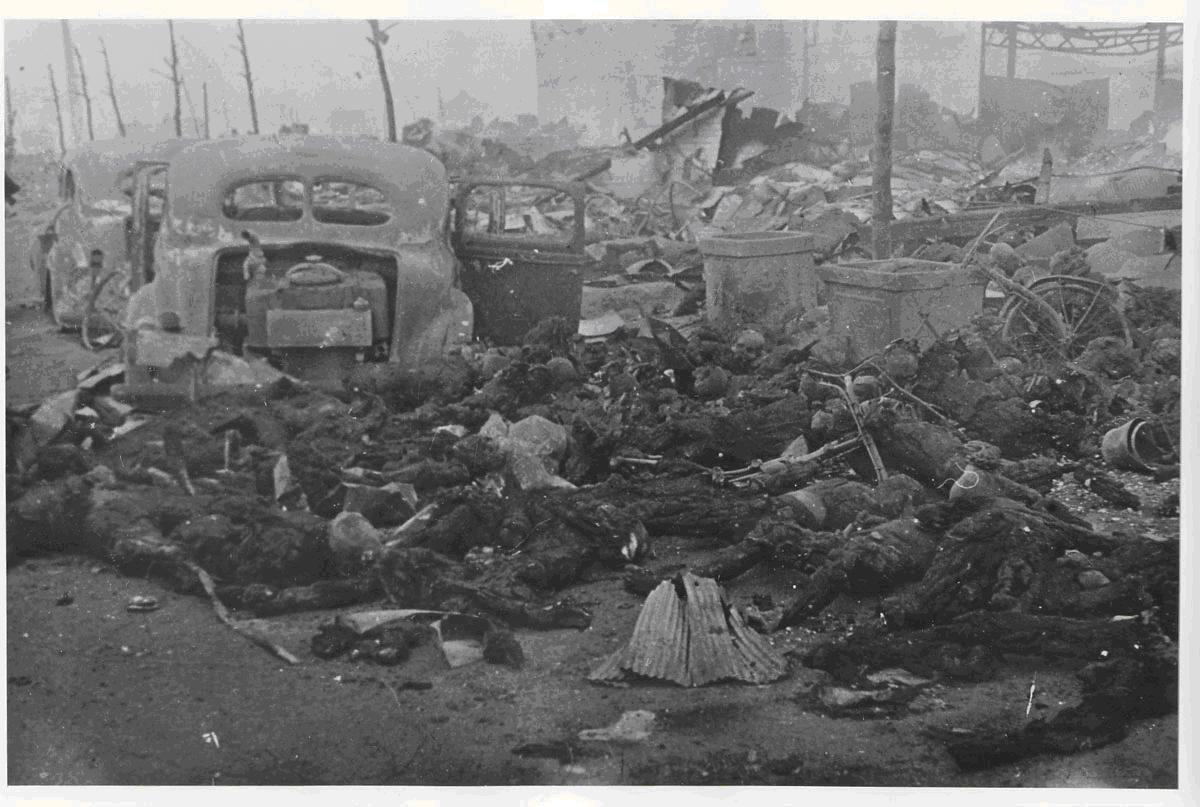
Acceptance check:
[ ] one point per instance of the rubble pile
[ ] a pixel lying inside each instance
(715, 168)
(929, 479)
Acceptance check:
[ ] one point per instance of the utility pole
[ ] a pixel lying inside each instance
(174, 65)
(1160, 65)
(241, 36)
(62, 138)
(204, 91)
(983, 46)
(10, 123)
(804, 42)
(378, 39)
(112, 93)
(885, 84)
(72, 84)
(1012, 50)
(87, 99)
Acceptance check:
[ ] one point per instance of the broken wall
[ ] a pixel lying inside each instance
(1024, 112)
(692, 151)
(606, 74)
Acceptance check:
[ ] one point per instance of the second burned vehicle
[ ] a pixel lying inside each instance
(318, 254)
(80, 250)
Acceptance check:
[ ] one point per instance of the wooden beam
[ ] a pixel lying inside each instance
(967, 225)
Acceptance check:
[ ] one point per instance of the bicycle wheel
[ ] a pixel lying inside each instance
(1087, 308)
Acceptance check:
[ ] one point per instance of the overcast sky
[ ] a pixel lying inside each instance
(308, 70)
(303, 70)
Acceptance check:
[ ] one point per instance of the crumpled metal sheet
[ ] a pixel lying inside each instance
(689, 634)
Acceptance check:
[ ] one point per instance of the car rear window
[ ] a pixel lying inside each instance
(265, 200)
(337, 201)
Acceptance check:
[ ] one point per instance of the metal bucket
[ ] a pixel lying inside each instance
(1133, 447)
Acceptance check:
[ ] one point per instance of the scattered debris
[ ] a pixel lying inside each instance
(142, 603)
(245, 627)
(631, 727)
(387, 637)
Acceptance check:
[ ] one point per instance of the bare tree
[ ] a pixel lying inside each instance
(70, 96)
(10, 116)
(176, 82)
(112, 93)
(241, 36)
(87, 98)
(10, 122)
(885, 84)
(187, 95)
(204, 92)
(62, 136)
(378, 39)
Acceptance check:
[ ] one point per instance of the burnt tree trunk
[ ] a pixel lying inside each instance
(378, 40)
(62, 137)
(112, 93)
(187, 95)
(175, 82)
(241, 36)
(87, 98)
(885, 83)
(10, 122)
(207, 131)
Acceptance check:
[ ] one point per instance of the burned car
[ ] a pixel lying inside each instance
(319, 254)
(315, 253)
(80, 251)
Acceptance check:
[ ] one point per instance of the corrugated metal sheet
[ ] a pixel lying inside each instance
(687, 633)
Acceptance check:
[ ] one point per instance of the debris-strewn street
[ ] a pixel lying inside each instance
(495, 456)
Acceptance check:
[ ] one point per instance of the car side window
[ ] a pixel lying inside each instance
(265, 200)
(338, 201)
(517, 211)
